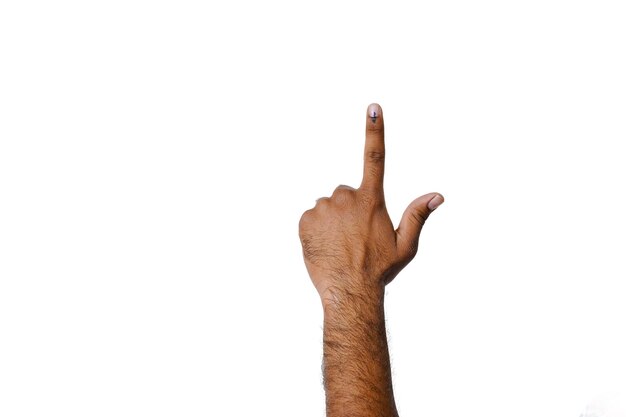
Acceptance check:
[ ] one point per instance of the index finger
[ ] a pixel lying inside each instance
(374, 156)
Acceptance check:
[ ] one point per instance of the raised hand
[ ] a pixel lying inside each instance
(349, 243)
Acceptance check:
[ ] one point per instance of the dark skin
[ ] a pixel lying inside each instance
(351, 251)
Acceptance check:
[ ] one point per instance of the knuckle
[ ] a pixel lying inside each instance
(418, 217)
(344, 187)
(343, 193)
(322, 202)
(375, 156)
(374, 128)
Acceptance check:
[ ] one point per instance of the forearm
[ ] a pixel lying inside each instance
(357, 372)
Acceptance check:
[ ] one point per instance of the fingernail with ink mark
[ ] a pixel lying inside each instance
(435, 202)
(373, 111)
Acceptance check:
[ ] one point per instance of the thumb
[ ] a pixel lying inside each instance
(413, 219)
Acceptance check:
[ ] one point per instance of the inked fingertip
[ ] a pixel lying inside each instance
(374, 111)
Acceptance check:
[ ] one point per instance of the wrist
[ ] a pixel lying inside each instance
(353, 297)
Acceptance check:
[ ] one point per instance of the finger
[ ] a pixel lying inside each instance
(413, 219)
(374, 156)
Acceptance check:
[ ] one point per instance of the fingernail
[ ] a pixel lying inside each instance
(435, 202)
(374, 111)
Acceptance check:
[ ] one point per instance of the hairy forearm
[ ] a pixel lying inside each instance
(357, 373)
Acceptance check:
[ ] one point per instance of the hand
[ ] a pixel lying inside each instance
(348, 240)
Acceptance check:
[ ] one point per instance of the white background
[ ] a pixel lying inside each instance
(155, 158)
